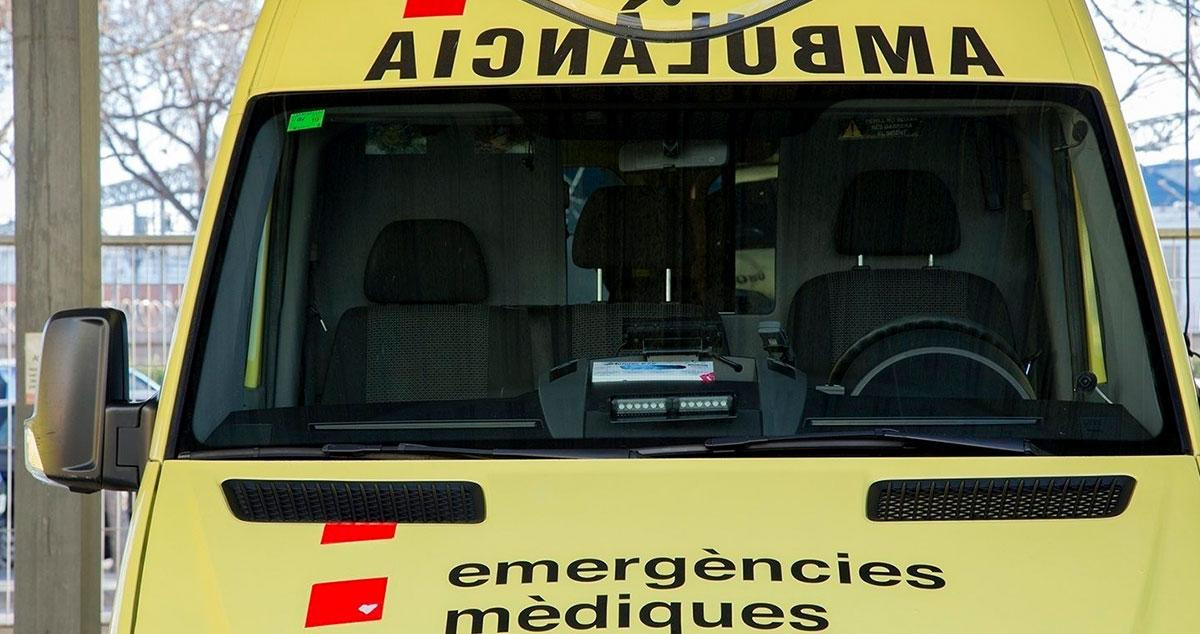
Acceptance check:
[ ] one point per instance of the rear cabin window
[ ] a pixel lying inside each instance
(628, 267)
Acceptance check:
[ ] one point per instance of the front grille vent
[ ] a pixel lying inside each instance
(303, 501)
(1087, 497)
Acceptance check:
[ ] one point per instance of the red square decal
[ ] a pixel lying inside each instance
(434, 8)
(340, 602)
(343, 533)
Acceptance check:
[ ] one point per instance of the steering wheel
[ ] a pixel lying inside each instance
(931, 335)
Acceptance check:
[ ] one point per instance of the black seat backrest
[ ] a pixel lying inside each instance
(889, 213)
(631, 233)
(429, 334)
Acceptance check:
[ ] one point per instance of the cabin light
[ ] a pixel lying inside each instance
(640, 406)
(673, 405)
(705, 404)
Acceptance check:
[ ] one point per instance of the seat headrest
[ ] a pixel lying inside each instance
(897, 212)
(426, 262)
(628, 227)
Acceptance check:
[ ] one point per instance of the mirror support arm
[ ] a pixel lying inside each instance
(127, 431)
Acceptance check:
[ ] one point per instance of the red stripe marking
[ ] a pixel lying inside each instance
(340, 602)
(343, 533)
(434, 8)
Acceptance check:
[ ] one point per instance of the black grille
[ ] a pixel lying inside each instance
(1086, 497)
(355, 502)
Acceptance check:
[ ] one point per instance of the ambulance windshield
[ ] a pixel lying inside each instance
(620, 267)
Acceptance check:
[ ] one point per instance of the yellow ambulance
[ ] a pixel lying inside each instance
(670, 316)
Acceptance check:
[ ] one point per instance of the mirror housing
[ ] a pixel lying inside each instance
(84, 433)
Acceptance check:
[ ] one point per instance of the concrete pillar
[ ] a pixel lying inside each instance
(57, 107)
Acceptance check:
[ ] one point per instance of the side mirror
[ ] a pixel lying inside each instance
(84, 433)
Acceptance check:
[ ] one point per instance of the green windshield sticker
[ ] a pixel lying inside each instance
(310, 120)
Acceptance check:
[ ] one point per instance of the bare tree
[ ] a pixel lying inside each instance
(1155, 61)
(7, 158)
(168, 73)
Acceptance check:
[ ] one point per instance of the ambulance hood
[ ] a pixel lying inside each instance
(669, 546)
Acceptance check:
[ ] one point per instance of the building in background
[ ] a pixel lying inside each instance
(1165, 184)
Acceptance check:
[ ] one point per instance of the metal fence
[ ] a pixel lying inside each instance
(1175, 246)
(144, 277)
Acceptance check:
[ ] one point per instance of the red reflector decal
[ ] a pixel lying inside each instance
(434, 8)
(339, 602)
(343, 533)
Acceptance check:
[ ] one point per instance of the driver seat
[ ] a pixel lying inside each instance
(893, 214)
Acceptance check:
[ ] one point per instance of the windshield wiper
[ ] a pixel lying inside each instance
(867, 439)
(353, 451)
(888, 439)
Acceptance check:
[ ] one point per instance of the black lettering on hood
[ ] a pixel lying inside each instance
(629, 26)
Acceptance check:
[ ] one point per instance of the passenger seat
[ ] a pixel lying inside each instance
(429, 334)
